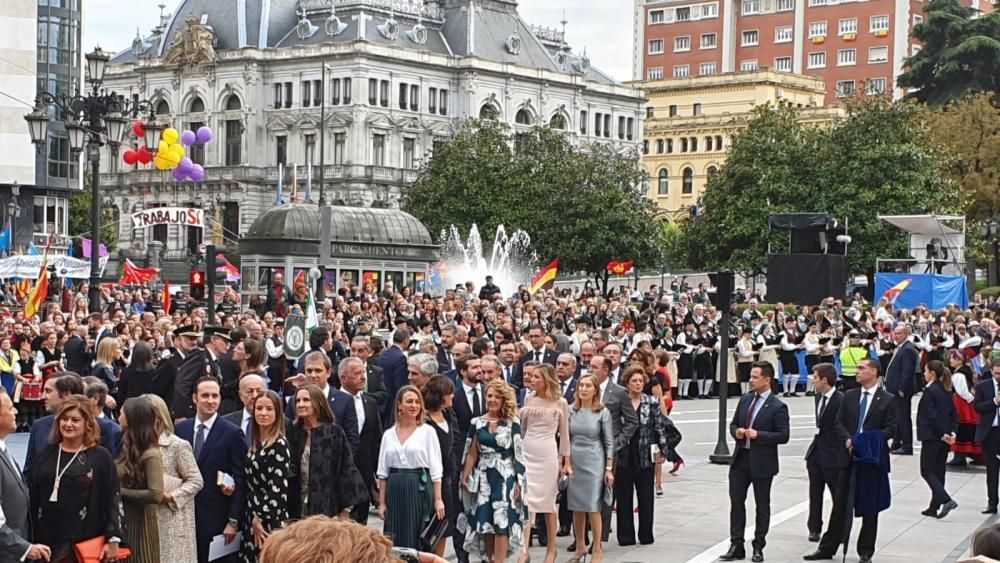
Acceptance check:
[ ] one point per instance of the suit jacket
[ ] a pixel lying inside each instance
(41, 430)
(549, 357)
(370, 444)
(393, 364)
(936, 414)
(236, 417)
(229, 371)
(902, 366)
(342, 405)
(375, 386)
(772, 426)
(463, 416)
(14, 500)
(624, 419)
(827, 447)
(77, 358)
(570, 394)
(881, 416)
(194, 366)
(985, 392)
(224, 450)
(442, 360)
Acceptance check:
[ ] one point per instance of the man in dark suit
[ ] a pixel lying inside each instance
(77, 358)
(14, 498)
(318, 369)
(445, 357)
(899, 383)
(252, 386)
(353, 379)
(507, 353)
(823, 455)
(393, 364)
(217, 347)
(469, 403)
(195, 365)
(374, 376)
(759, 425)
(459, 352)
(863, 408)
(566, 372)
(218, 448)
(538, 353)
(987, 403)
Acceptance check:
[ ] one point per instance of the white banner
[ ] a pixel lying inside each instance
(28, 267)
(169, 216)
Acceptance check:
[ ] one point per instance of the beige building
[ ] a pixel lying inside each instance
(690, 123)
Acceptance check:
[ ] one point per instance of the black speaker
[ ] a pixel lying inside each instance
(723, 282)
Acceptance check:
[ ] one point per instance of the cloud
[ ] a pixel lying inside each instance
(603, 27)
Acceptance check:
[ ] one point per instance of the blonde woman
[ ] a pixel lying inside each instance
(181, 482)
(108, 352)
(592, 452)
(493, 479)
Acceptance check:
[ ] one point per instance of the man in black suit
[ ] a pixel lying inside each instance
(459, 352)
(899, 383)
(507, 352)
(393, 364)
(77, 358)
(469, 403)
(318, 369)
(217, 347)
(863, 408)
(445, 358)
(987, 403)
(374, 376)
(538, 353)
(353, 380)
(252, 386)
(14, 501)
(759, 425)
(566, 372)
(823, 455)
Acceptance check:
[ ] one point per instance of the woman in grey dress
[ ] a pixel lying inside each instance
(592, 450)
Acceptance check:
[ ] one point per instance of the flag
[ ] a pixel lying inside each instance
(895, 290)
(32, 249)
(232, 272)
(5, 238)
(545, 276)
(300, 278)
(295, 182)
(86, 243)
(312, 320)
(309, 184)
(620, 268)
(39, 292)
(277, 193)
(135, 274)
(165, 299)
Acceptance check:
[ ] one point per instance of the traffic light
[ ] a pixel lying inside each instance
(197, 285)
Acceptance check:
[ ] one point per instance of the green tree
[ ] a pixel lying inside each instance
(960, 54)
(578, 204)
(79, 217)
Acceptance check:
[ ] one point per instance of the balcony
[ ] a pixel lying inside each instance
(267, 175)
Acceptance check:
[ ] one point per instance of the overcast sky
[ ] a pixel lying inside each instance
(602, 26)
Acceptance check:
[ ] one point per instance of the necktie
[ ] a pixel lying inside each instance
(538, 356)
(477, 410)
(749, 419)
(862, 412)
(822, 408)
(562, 385)
(199, 439)
(507, 373)
(451, 363)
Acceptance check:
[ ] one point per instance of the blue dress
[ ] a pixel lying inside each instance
(490, 508)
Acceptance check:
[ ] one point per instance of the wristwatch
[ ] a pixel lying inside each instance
(235, 523)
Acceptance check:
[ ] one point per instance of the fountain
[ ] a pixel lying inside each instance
(511, 261)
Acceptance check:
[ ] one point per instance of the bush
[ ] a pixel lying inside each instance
(990, 292)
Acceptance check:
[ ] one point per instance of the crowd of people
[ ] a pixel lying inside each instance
(498, 421)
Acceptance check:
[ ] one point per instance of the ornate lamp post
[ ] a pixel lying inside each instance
(93, 120)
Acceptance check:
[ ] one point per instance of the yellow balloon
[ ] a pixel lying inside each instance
(163, 148)
(171, 135)
(177, 151)
(161, 163)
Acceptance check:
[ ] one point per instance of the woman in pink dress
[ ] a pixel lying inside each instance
(544, 424)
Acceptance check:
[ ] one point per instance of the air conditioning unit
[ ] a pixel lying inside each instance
(881, 32)
(819, 39)
(850, 36)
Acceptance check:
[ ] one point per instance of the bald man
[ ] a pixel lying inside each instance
(252, 386)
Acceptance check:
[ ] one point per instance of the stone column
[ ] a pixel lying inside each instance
(153, 249)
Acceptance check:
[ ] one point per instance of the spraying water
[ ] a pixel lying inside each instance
(511, 260)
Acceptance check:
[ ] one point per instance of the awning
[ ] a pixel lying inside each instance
(802, 221)
(924, 224)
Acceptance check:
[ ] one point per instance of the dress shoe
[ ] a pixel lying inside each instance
(865, 559)
(735, 553)
(563, 531)
(948, 507)
(930, 512)
(758, 555)
(814, 537)
(990, 510)
(817, 556)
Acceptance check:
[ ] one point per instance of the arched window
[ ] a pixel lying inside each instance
(488, 112)
(196, 106)
(664, 182)
(711, 172)
(522, 117)
(687, 186)
(162, 108)
(233, 103)
(557, 122)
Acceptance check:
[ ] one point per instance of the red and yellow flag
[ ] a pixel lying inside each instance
(895, 290)
(165, 299)
(545, 276)
(620, 268)
(39, 293)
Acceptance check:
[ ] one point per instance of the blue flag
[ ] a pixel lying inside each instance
(5, 238)
(32, 249)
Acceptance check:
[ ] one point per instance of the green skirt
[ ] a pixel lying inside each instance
(409, 503)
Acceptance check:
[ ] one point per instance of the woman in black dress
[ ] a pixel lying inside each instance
(439, 393)
(48, 360)
(268, 472)
(74, 490)
(141, 376)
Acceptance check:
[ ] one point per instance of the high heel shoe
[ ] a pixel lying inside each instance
(526, 558)
(659, 490)
(578, 558)
(677, 466)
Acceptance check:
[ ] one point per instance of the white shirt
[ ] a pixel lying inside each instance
(962, 387)
(829, 396)
(604, 388)
(207, 424)
(245, 423)
(359, 407)
(3, 517)
(538, 355)
(870, 391)
(469, 396)
(421, 450)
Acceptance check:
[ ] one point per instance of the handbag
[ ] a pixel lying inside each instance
(432, 533)
(89, 551)
(673, 435)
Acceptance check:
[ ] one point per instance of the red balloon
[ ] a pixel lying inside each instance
(137, 129)
(130, 157)
(144, 156)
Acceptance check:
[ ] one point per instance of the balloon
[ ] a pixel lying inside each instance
(130, 157)
(161, 163)
(138, 129)
(171, 135)
(144, 156)
(177, 151)
(197, 173)
(204, 134)
(186, 165)
(179, 174)
(188, 138)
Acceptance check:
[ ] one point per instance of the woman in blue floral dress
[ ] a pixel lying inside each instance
(493, 479)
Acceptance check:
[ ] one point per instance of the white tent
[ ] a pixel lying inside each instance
(936, 241)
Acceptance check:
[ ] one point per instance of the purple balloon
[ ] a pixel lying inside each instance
(188, 138)
(197, 173)
(179, 175)
(185, 165)
(204, 134)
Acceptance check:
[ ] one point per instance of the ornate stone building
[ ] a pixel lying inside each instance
(364, 87)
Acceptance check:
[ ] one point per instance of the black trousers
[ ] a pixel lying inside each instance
(820, 478)
(933, 458)
(904, 422)
(641, 481)
(991, 449)
(842, 506)
(740, 482)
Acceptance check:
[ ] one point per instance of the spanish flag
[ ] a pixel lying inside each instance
(545, 276)
(620, 268)
(165, 298)
(895, 290)
(39, 293)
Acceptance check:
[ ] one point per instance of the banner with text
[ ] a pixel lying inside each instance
(28, 267)
(168, 216)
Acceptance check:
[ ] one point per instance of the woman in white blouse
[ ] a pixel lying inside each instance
(409, 472)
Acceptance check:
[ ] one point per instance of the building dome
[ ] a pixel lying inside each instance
(251, 23)
(299, 221)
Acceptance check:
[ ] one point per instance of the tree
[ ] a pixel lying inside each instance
(960, 54)
(79, 217)
(578, 204)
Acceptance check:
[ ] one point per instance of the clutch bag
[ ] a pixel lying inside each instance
(473, 482)
(432, 533)
(89, 551)
(609, 496)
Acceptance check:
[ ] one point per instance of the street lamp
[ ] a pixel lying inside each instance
(92, 120)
